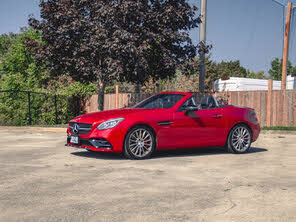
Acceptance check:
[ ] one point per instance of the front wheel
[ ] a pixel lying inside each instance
(139, 143)
(239, 139)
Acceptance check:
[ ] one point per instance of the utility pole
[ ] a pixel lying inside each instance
(286, 45)
(202, 51)
(286, 38)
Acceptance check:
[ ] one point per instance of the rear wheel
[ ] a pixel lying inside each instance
(139, 143)
(239, 139)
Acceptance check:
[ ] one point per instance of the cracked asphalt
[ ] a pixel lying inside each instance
(41, 180)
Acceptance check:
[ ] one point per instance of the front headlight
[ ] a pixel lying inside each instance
(109, 123)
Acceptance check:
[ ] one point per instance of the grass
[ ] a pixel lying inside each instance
(279, 128)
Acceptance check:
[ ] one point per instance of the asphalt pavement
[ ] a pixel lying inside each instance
(42, 180)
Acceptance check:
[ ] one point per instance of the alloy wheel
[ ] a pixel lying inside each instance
(140, 142)
(241, 139)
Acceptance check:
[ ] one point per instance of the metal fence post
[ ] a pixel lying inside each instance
(29, 107)
(56, 109)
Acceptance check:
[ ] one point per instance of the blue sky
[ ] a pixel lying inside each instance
(248, 30)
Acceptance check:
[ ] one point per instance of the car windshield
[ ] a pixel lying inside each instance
(160, 101)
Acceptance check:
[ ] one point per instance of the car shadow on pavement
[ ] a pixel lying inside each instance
(200, 152)
(99, 155)
(167, 153)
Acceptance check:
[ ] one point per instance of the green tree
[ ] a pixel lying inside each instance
(275, 71)
(214, 70)
(22, 72)
(5, 43)
(231, 69)
(256, 75)
(126, 40)
(19, 61)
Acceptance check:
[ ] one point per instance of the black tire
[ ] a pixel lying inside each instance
(145, 146)
(239, 139)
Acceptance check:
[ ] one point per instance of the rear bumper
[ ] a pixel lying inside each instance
(256, 131)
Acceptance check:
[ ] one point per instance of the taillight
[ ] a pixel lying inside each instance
(252, 116)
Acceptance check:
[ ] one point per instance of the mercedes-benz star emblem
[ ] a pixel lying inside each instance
(75, 128)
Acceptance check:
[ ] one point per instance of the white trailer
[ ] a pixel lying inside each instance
(247, 84)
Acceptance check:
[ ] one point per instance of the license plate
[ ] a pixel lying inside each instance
(74, 139)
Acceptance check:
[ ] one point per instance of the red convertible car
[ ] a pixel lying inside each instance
(169, 120)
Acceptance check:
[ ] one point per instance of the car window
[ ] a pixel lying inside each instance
(189, 102)
(160, 101)
(208, 102)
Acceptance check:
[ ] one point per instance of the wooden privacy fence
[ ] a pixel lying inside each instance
(273, 107)
(111, 102)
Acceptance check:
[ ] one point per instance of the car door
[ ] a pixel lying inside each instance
(176, 130)
(212, 124)
(206, 129)
(187, 131)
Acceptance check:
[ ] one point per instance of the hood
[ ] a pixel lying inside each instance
(105, 115)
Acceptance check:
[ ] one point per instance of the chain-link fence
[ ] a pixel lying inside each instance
(21, 108)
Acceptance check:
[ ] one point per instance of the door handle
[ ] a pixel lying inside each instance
(217, 116)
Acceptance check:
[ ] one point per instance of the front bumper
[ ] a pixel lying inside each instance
(109, 140)
(91, 144)
(96, 143)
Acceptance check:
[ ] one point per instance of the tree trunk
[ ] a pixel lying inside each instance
(101, 91)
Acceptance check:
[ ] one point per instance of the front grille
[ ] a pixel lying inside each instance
(85, 142)
(100, 143)
(97, 143)
(83, 128)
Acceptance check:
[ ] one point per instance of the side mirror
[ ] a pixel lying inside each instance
(190, 108)
(190, 111)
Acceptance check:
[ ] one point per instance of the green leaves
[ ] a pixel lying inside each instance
(276, 69)
(217, 70)
(5, 43)
(22, 72)
(77, 89)
(17, 58)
